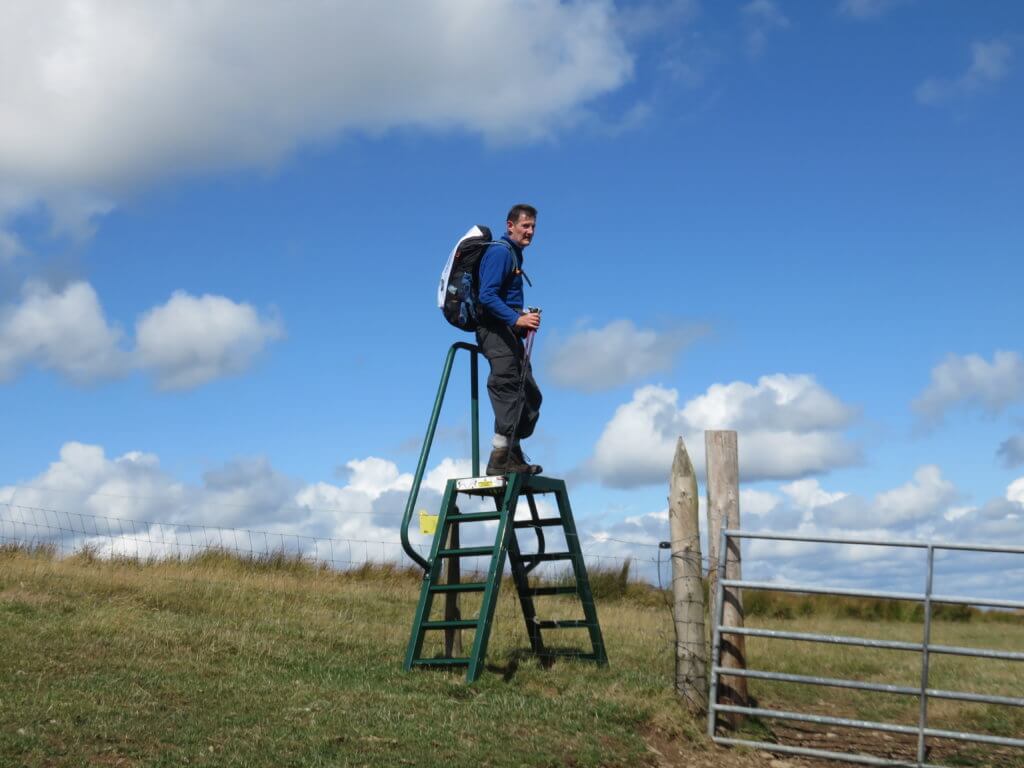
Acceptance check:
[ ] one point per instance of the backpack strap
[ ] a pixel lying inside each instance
(515, 260)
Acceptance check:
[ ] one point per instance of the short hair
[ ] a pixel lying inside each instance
(518, 210)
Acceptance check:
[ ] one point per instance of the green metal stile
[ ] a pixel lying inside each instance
(505, 546)
(580, 572)
(486, 616)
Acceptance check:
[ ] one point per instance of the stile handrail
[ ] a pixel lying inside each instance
(428, 440)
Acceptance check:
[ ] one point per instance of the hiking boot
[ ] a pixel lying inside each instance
(505, 462)
(522, 458)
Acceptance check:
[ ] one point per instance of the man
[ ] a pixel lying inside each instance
(516, 401)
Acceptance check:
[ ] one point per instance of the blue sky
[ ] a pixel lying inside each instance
(219, 245)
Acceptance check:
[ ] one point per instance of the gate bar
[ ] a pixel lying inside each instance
(835, 682)
(896, 645)
(737, 534)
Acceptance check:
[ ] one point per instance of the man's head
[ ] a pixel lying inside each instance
(522, 220)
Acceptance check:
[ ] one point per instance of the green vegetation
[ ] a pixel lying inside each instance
(275, 662)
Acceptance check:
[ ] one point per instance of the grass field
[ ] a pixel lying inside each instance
(217, 661)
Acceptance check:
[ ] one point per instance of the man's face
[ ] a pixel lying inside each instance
(521, 232)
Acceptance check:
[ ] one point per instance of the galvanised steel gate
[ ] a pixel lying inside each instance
(926, 648)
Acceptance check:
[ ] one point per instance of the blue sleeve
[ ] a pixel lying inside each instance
(495, 267)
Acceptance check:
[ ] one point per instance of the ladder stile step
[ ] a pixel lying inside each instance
(564, 624)
(465, 552)
(548, 557)
(454, 662)
(544, 523)
(469, 586)
(450, 624)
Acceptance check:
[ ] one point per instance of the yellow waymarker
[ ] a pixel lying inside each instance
(428, 523)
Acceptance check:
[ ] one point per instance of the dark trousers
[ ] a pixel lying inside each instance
(505, 352)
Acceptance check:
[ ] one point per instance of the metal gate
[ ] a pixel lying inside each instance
(925, 648)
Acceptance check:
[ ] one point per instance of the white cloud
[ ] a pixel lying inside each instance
(636, 446)
(758, 503)
(186, 342)
(1015, 491)
(191, 340)
(808, 494)
(761, 18)
(973, 381)
(919, 505)
(990, 62)
(921, 509)
(923, 497)
(374, 477)
(102, 97)
(437, 478)
(955, 513)
(594, 359)
(247, 494)
(84, 480)
(867, 9)
(789, 426)
(65, 331)
(779, 401)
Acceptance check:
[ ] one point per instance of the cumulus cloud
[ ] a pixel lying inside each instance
(132, 491)
(1015, 491)
(184, 343)
(923, 497)
(102, 97)
(922, 509)
(867, 9)
(191, 340)
(593, 359)
(990, 63)
(789, 427)
(761, 18)
(1011, 451)
(807, 494)
(758, 503)
(84, 480)
(64, 331)
(973, 381)
(375, 477)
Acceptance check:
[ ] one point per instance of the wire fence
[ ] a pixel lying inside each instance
(66, 533)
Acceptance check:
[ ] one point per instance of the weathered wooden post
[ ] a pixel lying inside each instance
(452, 637)
(687, 590)
(722, 460)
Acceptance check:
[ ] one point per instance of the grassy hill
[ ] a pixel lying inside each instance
(217, 661)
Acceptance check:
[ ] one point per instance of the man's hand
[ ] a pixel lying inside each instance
(530, 321)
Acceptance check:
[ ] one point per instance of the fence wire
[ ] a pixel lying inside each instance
(66, 533)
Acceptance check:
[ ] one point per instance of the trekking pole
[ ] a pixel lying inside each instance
(529, 345)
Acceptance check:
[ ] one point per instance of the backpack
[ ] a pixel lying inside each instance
(457, 295)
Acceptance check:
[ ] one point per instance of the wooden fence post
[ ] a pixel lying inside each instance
(687, 589)
(722, 460)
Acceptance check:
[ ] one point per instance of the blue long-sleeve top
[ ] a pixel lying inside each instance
(501, 281)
